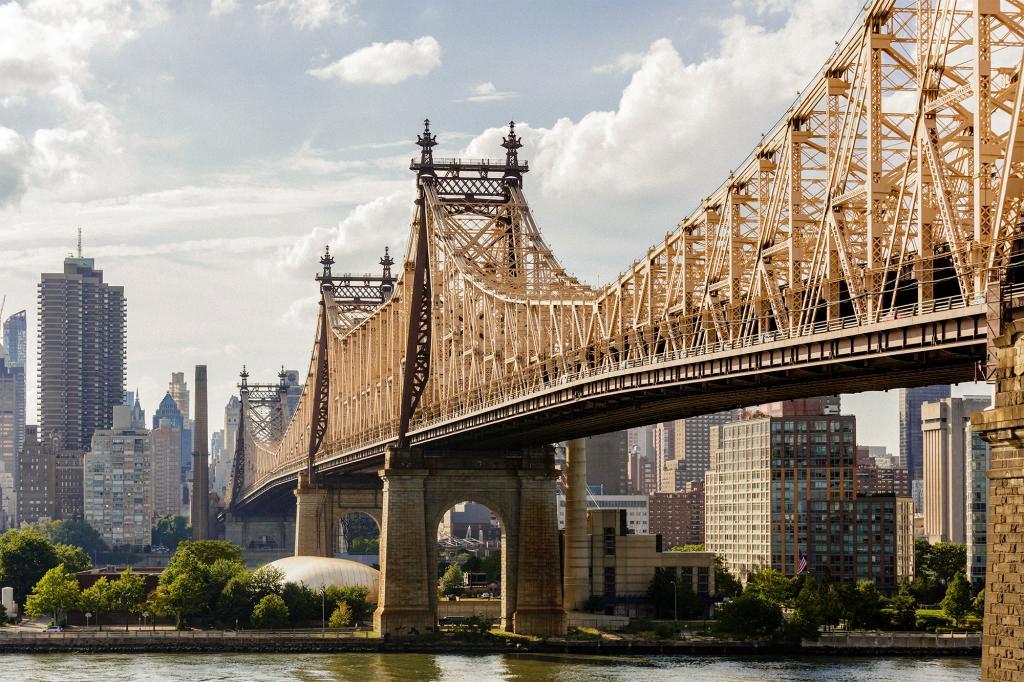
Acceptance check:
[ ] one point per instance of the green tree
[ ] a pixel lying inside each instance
(452, 582)
(670, 596)
(25, 556)
(772, 586)
(831, 606)
(957, 602)
(726, 583)
(205, 552)
(96, 599)
(341, 617)
(364, 546)
(808, 612)
(264, 581)
(865, 606)
(904, 608)
(270, 613)
(491, 566)
(356, 598)
(128, 594)
(978, 605)
(750, 615)
(181, 597)
(74, 533)
(945, 561)
(56, 593)
(168, 531)
(234, 604)
(303, 603)
(74, 558)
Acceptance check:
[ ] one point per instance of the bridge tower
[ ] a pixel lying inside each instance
(420, 484)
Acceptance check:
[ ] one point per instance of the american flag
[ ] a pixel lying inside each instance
(802, 566)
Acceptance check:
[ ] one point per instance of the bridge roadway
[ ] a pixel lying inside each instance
(942, 343)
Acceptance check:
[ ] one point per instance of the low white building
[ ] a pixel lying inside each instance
(638, 519)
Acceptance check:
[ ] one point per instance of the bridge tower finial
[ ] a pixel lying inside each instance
(327, 261)
(245, 377)
(282, 375)
(387, 284)
(426, 142)
(512, 144)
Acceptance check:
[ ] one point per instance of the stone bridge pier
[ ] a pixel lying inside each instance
(319, 510)
(1003, 428)
(518, 486)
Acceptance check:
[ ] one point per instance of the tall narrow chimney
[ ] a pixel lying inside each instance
(200, 462)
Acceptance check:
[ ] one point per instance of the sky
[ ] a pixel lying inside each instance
(209, 149)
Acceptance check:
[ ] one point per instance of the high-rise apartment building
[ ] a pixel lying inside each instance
(679, 517)
(232, 418)
(878, 474)
(910, 425)
(15, 332)
(119, 483)
(978, 463)
(690, 456)
(35, 477)
(217, 468)
(293, 385)
(12, 413)
(48, 480)
(608, 463)
(643, 474)
(946, 442)
(165, 443)
(177, 388)
(782, 489)
(82, 328)
(15, 338)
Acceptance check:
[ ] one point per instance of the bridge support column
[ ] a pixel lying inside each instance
(1003, 428)
(518, 486)
(576, 540)
(404, 602)
(538, 597)
(312, 522)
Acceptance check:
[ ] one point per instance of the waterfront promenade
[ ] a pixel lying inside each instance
(352, 640)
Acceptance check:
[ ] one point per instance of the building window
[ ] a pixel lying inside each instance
(609, 581)
(609, 542)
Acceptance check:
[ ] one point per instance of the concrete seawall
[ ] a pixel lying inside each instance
(313, 641)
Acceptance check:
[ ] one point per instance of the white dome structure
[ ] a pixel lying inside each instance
(317, 571)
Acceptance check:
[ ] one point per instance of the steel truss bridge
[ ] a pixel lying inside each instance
(867, 242)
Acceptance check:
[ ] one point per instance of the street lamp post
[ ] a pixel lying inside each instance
(88, 615)
(323, 610)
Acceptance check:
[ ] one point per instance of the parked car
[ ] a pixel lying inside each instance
(54, 628)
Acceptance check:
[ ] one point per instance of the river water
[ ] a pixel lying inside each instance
(472, 668)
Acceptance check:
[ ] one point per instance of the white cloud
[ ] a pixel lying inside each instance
(678, 126)
(368, 227)
(45, 52)
(385, 63)
(309, 14)
(627, 62)
(486, 92)
(220, 7)
(14, 163)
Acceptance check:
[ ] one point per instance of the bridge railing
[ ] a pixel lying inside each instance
(480, 399)
(477, 400)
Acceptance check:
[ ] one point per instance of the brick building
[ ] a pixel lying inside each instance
(679, 517)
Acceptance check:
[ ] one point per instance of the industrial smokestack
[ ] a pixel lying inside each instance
(200, 462)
